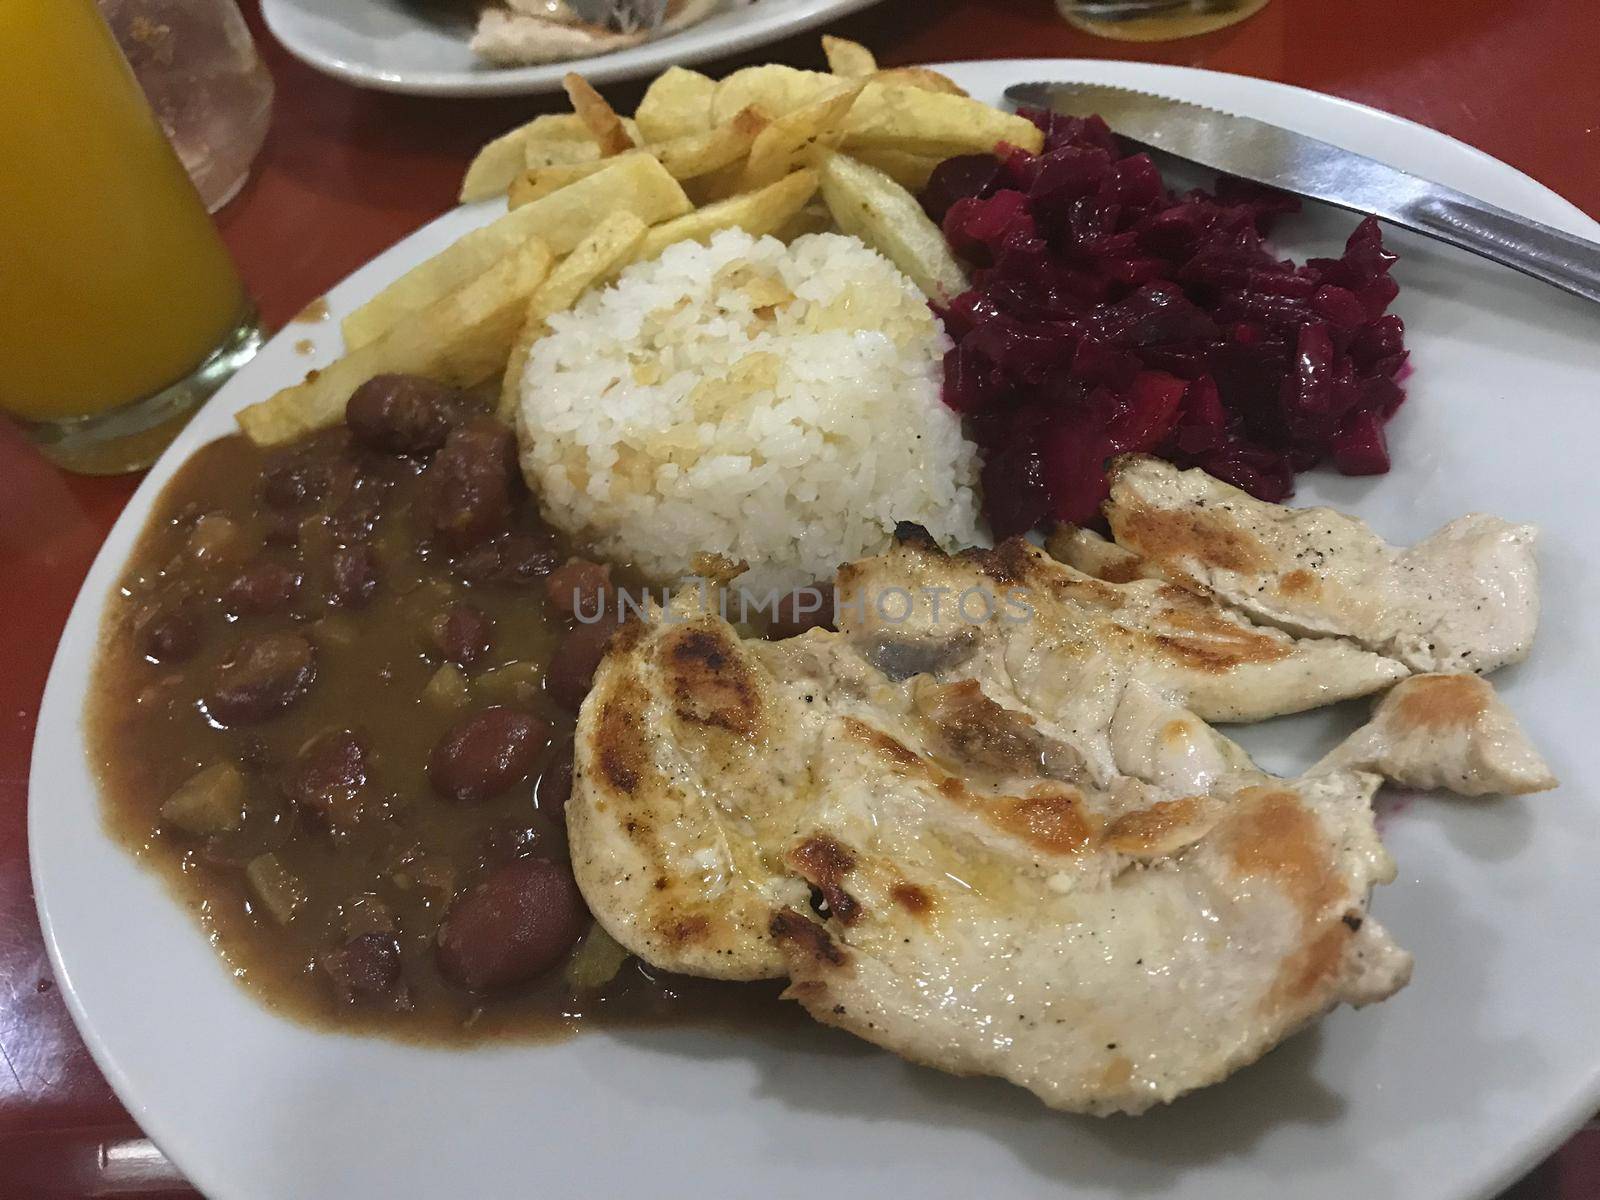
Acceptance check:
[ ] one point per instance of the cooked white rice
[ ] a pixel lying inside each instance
(777, 404)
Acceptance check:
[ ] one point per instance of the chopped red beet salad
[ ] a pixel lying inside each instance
(1109, 314)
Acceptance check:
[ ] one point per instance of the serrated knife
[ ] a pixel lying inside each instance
(1318, 170)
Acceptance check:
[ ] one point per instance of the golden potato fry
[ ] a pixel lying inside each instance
(634, 183)
(540, 154)
(920, 77)
(896, 117)
(697, 154)
(462, 339)
(757, 213)
(867, 203)
(538, 182)
(498, 163)
(774, 89)
(791, 140)
(847, 58)
(598, 116)
(910, 171)
(676, 104)
(610, 246)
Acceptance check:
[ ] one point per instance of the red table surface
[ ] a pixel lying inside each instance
(345, 173)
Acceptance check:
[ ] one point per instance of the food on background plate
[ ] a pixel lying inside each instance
(519, 33)
(402, 715)
(775, 404)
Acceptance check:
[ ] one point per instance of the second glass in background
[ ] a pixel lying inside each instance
(1155, 20)
(205, 82)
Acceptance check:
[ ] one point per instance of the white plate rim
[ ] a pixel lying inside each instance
(59, 709)
(758, 27)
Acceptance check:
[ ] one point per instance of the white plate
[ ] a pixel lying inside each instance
(398, 46)
(1447, 1091)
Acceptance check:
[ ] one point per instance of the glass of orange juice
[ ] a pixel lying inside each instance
(120, 310)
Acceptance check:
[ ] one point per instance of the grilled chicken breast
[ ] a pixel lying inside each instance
(954, 853)
(1465, 599)
(1445, 731)
(1053, 638)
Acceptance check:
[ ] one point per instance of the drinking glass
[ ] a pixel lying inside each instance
(202, 76)
(120, 309)
(1155, 20)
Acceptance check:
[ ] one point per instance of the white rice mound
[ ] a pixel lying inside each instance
(771, 403)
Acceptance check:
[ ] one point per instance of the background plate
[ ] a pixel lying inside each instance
(398, 46)
(1447, 1091)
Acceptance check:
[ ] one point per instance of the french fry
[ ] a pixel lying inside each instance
(910, 171)
(610, 246)
(774, 89)
(868, 204)
(598, 116)
(634, 183)
(757, 213)
(677, 104)
(920, 77)
(498, 163)
(461, 339)
(538, 182)
(849, 59)
(896, 117)
(697, 154)
(790, 141)
(539, 154)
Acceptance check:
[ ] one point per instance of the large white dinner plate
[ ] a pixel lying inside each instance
(1447, 1091)
(402, 46)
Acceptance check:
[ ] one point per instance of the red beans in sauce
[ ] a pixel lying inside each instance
(365, 970)
(263, 676)
(402, 414)
(328, 775)
(573, 663)
(512, 927)
(170, 634)
(354, 570)
(472, 482)
(579, 586)
(263, 586)
(485, 754)
(463, 634)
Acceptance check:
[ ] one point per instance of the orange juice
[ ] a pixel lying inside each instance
(113, 281)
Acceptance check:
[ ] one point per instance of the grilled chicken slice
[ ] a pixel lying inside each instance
(1085, 550)
(1445, 731)
(1053, 637)
(1465, 599)
(1105, 903)
(1033, 948)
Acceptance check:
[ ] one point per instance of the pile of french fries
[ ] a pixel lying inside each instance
(769, 149)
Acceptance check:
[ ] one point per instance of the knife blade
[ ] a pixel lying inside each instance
(1318, 170)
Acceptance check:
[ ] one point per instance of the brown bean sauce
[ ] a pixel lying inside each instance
(335, 757)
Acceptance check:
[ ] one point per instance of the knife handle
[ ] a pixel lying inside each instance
(1570, 263)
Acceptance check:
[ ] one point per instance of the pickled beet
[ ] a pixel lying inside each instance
(1109, 315)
